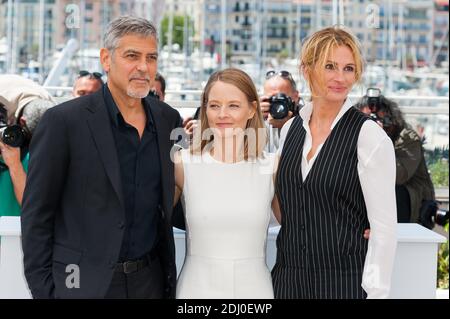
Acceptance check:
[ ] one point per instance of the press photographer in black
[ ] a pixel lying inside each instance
(158, 90)
(414, 188)
(280, 102)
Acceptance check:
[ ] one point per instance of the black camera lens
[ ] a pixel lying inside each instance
(13, 136)
(442, 217)
(280, 105)
(278, 110)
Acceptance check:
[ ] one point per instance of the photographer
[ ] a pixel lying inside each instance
(279, 103)
(22, 103)
(414, 188)
(87, 83)
(159, 87)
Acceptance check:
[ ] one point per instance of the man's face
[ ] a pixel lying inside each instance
(132, 66)
(277, 84)
(85, 86)
(158, 89)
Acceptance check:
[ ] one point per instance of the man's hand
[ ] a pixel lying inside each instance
(265, 106)
(189, 124)
(11, 156)
(367, 233)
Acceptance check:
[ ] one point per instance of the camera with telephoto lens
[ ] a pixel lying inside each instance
(280, 105)
(12, 135)
(153, 94)
(431, 214)
(374, 104)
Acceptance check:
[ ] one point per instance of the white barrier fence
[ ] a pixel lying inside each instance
(414, 276)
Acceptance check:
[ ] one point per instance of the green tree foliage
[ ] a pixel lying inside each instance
(177, 30)
(442, 275)
(437, 162)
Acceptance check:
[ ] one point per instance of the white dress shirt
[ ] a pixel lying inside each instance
(273, 138)
(376, 170)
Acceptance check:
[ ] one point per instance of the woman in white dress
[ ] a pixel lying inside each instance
(227, 184)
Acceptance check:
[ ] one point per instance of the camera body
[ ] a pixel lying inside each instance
(374, 104)
(12, 135)
(280, 105)
(431, 214)
(373, 97)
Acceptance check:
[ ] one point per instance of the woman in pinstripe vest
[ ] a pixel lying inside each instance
(336, 177)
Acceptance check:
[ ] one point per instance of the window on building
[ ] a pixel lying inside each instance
(423, 38)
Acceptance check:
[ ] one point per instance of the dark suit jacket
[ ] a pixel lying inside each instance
(73, 207)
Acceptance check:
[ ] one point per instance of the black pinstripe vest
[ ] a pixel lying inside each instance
(320, 247)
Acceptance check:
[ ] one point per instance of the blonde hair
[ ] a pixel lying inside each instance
(319, 46)
(244, 83)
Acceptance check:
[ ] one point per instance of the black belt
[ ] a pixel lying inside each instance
(132, 266)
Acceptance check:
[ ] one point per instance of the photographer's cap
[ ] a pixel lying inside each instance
(17, 91)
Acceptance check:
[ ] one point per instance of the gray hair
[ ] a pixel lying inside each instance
(127, 25)
(33, 111)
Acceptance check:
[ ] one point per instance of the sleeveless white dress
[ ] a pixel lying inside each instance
(228, 209)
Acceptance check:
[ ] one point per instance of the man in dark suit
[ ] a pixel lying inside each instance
(97, 208)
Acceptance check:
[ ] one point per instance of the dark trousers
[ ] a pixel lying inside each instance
(146, 283)
(403, 204)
